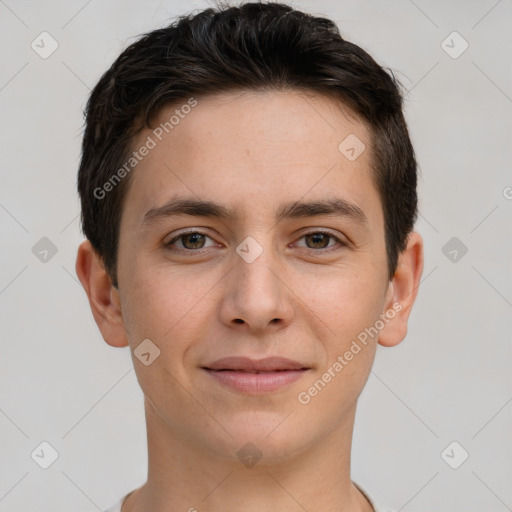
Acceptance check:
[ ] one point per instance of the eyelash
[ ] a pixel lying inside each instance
(169, 244)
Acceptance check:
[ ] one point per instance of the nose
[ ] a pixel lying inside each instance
(256, 296)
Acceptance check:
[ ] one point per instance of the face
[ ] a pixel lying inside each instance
(256, 273)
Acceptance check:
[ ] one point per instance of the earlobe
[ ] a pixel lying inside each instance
(103, 297)
(402, 292)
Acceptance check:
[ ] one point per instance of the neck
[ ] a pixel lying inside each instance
(184, 475)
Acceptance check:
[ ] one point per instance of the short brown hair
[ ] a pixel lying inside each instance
(255, 46)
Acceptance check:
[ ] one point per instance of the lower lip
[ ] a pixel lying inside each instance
(256, 383)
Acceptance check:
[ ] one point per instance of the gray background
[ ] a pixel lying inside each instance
(448, 381)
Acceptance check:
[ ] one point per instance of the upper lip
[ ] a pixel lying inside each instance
(252, 365)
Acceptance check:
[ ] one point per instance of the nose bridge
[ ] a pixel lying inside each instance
(258, 279)
(257, 295)
(255, 261)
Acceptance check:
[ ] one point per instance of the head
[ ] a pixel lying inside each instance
(256, 108)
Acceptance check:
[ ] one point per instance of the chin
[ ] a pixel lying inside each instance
(263, 439)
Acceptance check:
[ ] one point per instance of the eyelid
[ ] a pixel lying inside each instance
(325, 231)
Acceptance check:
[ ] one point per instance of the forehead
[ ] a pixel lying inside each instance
(257, 148)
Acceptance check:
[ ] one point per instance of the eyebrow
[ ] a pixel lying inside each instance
(297, 209)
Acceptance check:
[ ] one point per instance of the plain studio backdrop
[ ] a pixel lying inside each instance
(433, 425)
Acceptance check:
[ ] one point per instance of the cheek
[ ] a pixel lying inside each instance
(347, 303)
(163, 306)
(349, 308)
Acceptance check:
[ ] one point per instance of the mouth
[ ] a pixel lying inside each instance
(246, 364)
(253, 377)
(253, 371)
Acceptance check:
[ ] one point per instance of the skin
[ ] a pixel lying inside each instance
(301, 299)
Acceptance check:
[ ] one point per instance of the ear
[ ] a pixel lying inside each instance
(103, 296)
(402, 292)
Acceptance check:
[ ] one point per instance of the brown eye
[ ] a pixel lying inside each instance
(193, 241)
(318, 240)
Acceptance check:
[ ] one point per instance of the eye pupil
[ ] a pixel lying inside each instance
(319, 238)
(195, 237)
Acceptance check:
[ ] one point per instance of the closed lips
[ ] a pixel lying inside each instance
(245, 364)
(255, 377)
(252, 371)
